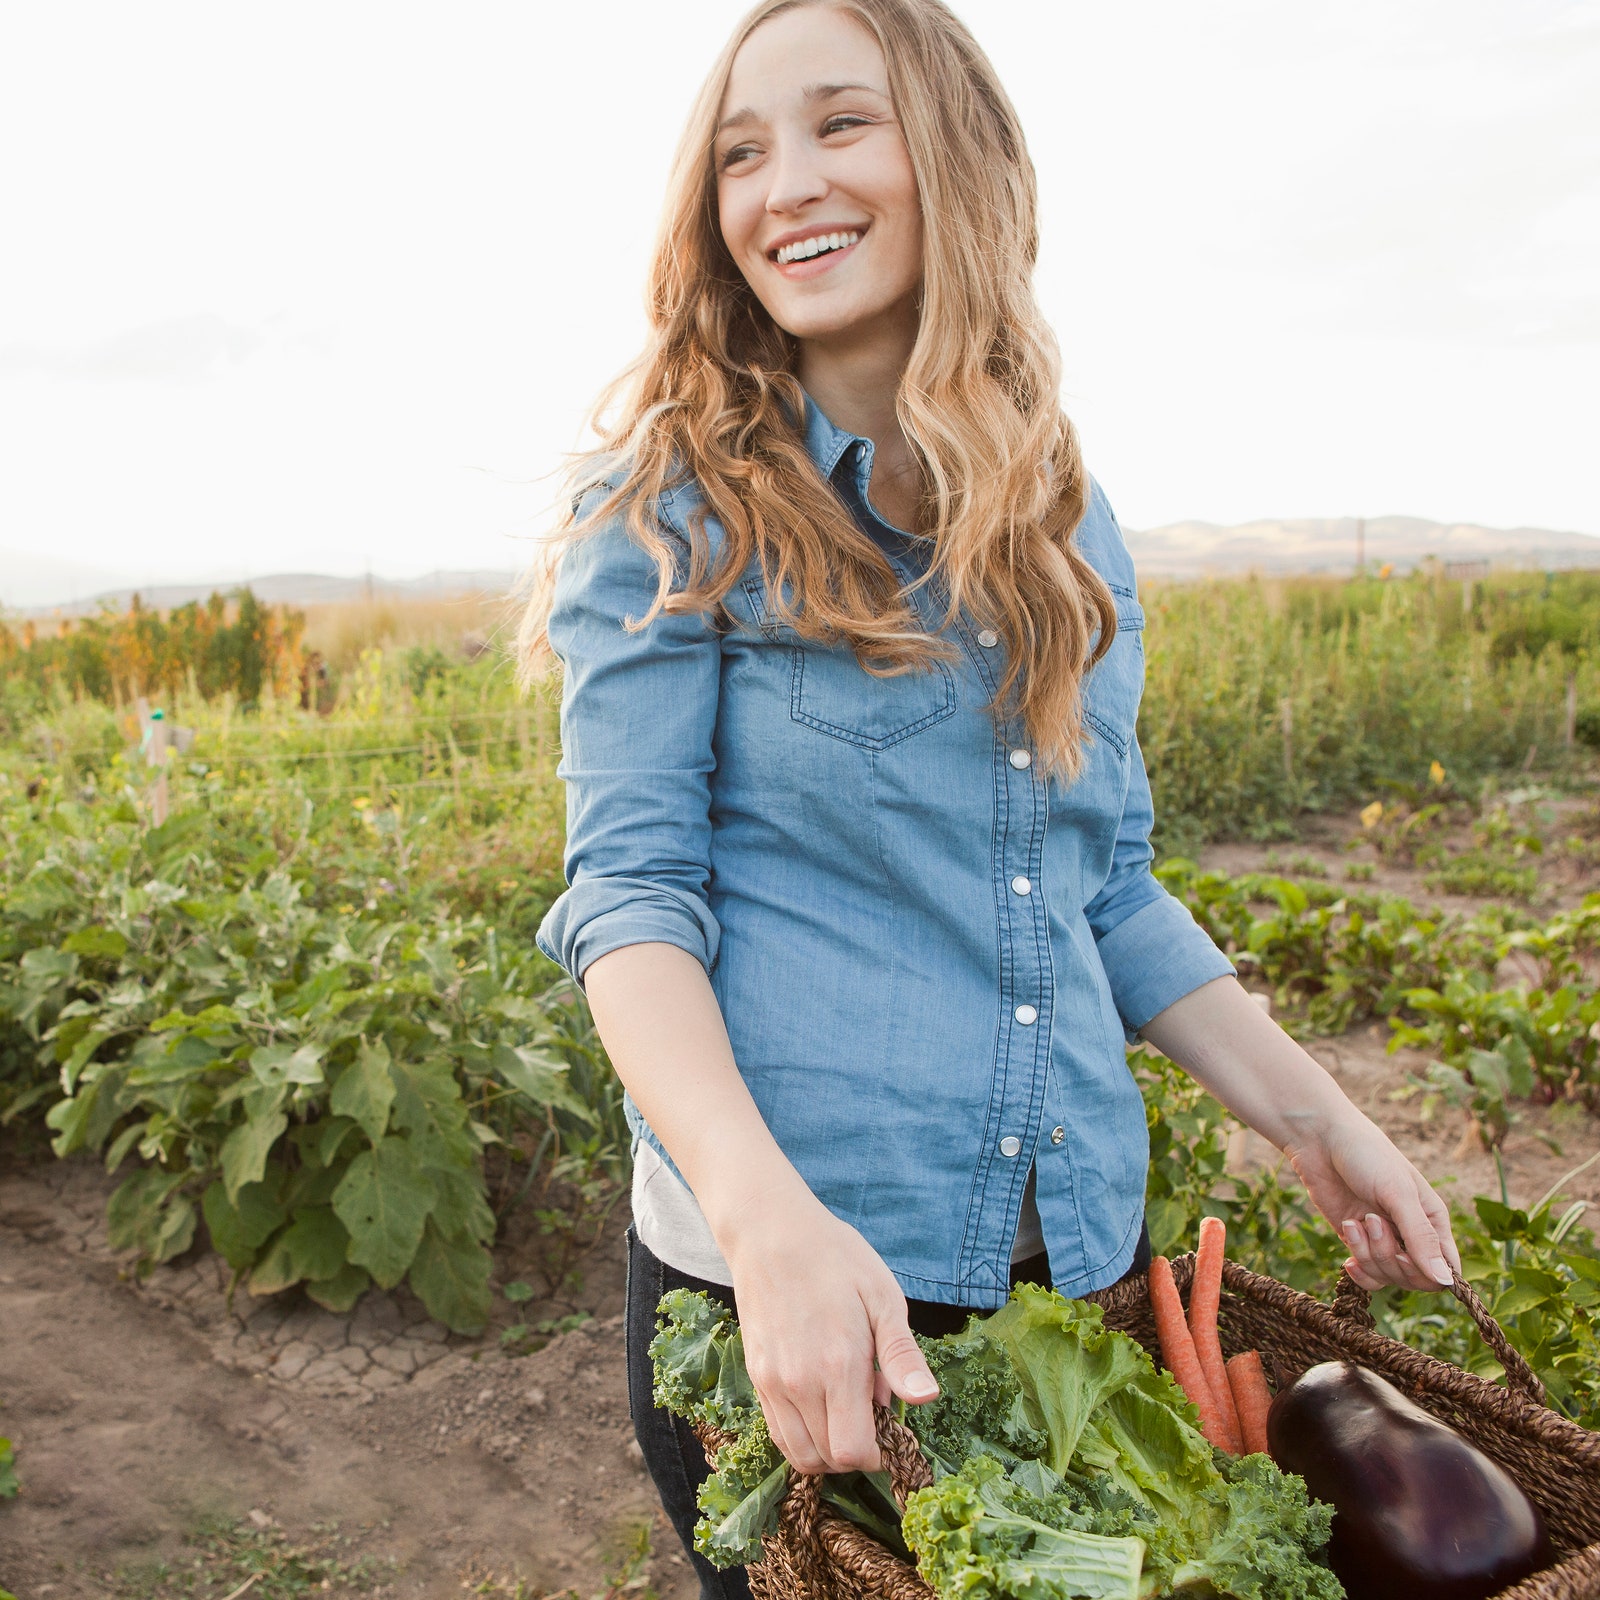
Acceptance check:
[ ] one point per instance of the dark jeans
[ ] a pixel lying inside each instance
(672, 1454)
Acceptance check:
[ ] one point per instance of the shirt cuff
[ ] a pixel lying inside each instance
(598, 915)
(1155, 957)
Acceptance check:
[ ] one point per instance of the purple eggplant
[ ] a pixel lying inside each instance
(1419, 1513)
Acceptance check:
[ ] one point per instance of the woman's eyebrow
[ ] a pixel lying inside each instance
(813, 93)
(826, 91)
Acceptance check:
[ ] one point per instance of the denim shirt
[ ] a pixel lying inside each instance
(928, 955)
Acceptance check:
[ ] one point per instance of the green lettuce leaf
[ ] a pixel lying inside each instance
(698, 1359)
(739, 1501)
(973, 1539)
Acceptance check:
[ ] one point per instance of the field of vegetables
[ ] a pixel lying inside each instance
(271, 1011)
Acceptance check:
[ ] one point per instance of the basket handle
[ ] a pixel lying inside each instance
(1353, 1304)
(902, 1456)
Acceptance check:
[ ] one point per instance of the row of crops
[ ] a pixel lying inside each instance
(303, 1020)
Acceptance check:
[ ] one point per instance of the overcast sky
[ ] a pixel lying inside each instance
(317, 286)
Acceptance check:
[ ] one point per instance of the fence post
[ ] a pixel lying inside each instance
(1286, 713)
(156, 752)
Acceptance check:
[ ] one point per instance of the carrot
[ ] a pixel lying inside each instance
(1205, 1296)
(1251, 1399)
(1177, 1351)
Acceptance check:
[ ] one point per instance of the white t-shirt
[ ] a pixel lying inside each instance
(672, 1227)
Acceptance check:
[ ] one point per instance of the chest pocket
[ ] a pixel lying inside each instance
(829, 690)
(1111, 694)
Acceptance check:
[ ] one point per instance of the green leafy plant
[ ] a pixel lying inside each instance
(1501, 1045)
(1538, 1271)
(340, 1090)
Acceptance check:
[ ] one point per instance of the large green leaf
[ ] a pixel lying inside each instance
(317, 1242)
(341, 1291)
(275, 1064)
(429, 1107)
(462, 1207)
(540, 1077)
(134, 1212)
(83, 1122)
(239, 1227)
(365, 1090)
(244, 1152)
(106, 943)
(384, 1200)
(451, 1278)
(275, 1271)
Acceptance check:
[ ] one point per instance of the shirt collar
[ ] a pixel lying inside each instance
(828, 445)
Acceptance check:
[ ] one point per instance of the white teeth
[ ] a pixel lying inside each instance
(806, 248)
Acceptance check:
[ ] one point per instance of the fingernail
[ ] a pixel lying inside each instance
(1374, 1227)
(1354, 1235)
(1442, 1273)
(919, 1387)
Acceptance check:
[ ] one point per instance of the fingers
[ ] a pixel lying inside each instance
(899, 1355)
(1419, 1225)
(791, 1435)
(1380, 1255)
(819, 1408)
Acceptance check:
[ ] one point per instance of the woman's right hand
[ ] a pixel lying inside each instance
(825, 1336)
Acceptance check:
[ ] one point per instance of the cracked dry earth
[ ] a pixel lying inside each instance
(139, 1409)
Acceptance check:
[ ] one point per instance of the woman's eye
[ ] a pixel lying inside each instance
(843, 124)
(731, 158)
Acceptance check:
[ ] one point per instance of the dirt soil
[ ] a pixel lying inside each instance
(140, 1409)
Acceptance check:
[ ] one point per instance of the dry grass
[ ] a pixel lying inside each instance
(464, 625)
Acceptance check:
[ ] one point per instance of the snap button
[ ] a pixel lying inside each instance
(1057, 1135)
(1020, 885)
(1020, 759)
(1011, 1145)
(988, 639)
(1026, 1015)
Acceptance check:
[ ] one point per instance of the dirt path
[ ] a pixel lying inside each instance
(133, 1424)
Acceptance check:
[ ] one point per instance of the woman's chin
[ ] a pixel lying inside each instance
(836, 325)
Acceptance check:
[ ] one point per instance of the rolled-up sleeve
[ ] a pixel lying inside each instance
(638, 711)
(1152, 949)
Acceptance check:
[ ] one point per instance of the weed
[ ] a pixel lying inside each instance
(251, 1556)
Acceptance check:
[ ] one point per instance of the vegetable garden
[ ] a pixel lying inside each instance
(300, 1022)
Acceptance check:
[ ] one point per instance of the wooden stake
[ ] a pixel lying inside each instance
(1286, 712)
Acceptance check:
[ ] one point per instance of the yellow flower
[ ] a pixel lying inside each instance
(361, 804)
(1436, 772)
(1372, 815)
(506, 885)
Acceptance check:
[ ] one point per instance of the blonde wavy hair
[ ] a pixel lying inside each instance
(714, 398)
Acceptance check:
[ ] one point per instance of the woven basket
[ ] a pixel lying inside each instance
(816, 1554)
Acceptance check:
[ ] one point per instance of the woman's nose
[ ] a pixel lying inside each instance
(797, 179)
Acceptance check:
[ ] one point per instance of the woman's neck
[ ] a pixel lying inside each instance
(856, 384)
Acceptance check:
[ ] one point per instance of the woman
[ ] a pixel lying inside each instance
(858, 824)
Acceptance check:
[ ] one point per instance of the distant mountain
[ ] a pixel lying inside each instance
(29, 580)
(299, 589)
(41, 584)
(1328, 544)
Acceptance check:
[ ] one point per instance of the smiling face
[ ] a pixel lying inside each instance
(816, 196)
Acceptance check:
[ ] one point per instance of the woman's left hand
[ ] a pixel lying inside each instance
(1395, 1225)
(1397, 1229)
